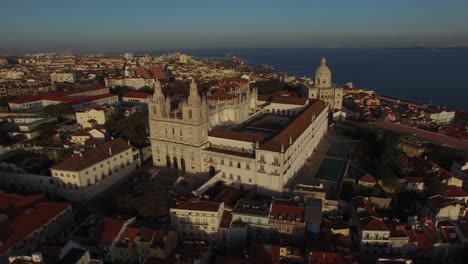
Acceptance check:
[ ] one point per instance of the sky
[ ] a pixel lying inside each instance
(105, 25)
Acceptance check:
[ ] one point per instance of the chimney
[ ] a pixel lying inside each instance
(110, 151)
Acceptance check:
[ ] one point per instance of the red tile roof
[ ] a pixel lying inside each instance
(295, 128)
(361, 202)
(226, 219)
(107, 230)
(289, 100)
(27, 99)
(234, 135)
(198, 205)
(372, 223)
(367, 178)
(288, 210)
(155, 237)
(140, 95)
(434, 137)
(24, 223)
(92, 156)
(454, 191)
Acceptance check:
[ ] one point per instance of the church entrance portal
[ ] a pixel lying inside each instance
(168, 161)
(212, 171)
(182, 164)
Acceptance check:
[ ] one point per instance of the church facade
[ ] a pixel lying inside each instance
(229, 135)
(323, 88)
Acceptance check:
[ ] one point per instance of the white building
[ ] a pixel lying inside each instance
(63, 77)
(99, 114)
(440, 116)
(28, 126)
(323, 88)
(197, 220)
(87, 174)
(263, 148)
(255, 214)
(133, 82)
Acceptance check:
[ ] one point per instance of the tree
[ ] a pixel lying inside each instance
(146, 89)
(133, 128)
(58, 110)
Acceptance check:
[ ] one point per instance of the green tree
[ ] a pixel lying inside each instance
(133, 128)
(60, 110)
(146, 89)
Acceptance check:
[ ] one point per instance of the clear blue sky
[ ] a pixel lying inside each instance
(101, 25)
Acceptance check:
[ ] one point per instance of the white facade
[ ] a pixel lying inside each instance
(440, 117)
(99, 114)
(62, 77)
(182, 139)
(323, 88)
(85, 175)
(134, 82)
(197, 220)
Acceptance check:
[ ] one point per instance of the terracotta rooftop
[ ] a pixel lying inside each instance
(289, 100)
(199, 205)
(372, 223)
(287, 210)
(234, 135)
(454, 191)
(107, 230)
(226, 219)
(134, 94)
(430, 136)
(367, 178)
(93, 155)
(295, 128)
(23, 223)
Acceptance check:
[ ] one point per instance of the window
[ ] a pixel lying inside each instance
(238, 165)
(262, 168)
(173, 131)
(262, 158)
(238, 178)
(230, 163)
(276, 162)
(247, 166)
(222, 162)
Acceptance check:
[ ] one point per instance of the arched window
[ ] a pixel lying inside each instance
(190, 114)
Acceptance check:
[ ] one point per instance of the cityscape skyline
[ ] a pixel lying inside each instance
(117, 26)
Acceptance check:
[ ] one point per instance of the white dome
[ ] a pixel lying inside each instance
(323, 71)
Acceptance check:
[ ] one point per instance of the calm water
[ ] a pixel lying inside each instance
(440, 76)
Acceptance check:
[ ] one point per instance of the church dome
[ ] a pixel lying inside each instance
(323, 71)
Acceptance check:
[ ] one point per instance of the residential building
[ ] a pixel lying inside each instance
(287, 217)
(133, 82)
(137, 97)
(102, 235)
(90, 172)
(99, 114)
(197, 220)
(255, 214)
(63, 77)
